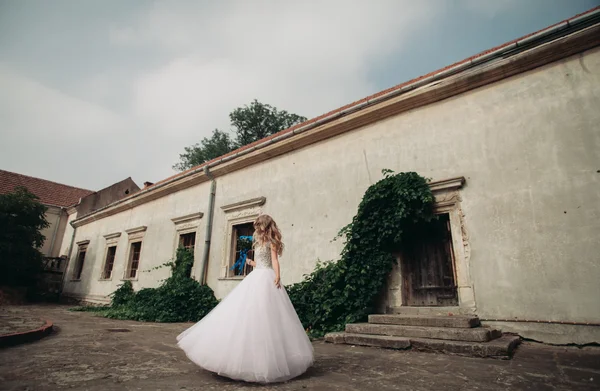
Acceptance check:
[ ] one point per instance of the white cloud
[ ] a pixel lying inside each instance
(121, 88)
(48, 133)
(304, 57)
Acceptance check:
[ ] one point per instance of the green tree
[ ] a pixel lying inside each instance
(250, 123)
(209, 148)
(22, 217)
(258, 120)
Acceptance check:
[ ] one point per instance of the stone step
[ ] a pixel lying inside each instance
(460, 321)
(502, 348)
(478, 334)
(431, 311)
(379, 341)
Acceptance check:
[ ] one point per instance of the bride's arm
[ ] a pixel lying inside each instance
(275, 261)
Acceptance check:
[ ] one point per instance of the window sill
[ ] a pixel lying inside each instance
(236, 278)
(105, 279)
(129, 279)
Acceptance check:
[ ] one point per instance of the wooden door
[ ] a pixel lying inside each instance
(427, 267)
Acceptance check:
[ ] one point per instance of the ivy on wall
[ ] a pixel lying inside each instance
(345, 291)
(180, 298)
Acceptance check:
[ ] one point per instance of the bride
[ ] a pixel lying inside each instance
(254, 334)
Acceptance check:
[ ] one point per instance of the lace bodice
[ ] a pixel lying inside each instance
(262, 257)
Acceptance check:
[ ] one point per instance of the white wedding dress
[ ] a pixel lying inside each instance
(254, 334)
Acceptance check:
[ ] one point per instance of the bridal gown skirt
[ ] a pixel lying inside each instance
(253, 335)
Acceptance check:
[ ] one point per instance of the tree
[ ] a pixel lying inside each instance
(250, 123)
(209, 148)
(22, 217)
(259, 120)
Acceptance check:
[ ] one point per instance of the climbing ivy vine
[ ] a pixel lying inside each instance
(391, 212)
(179, 298)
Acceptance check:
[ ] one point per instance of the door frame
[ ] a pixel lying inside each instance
(448, 199)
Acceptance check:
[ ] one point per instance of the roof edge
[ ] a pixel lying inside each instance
(555, 32)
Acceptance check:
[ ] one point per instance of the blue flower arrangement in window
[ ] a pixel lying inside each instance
(244, 244)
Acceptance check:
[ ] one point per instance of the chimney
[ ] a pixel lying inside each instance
(147, 184)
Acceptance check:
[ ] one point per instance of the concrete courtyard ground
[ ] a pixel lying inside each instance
(90, 353)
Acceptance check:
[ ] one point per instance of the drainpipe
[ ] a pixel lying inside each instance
(209, 221)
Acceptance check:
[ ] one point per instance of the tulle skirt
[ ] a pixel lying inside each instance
(253, 335)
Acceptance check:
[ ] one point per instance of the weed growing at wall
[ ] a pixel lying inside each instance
(179, 298)
(345, 291)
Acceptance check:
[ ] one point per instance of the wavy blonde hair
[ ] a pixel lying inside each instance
(266, 231)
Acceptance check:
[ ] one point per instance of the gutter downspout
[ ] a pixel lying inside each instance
(209, 223)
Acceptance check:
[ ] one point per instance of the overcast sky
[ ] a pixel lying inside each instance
(92, 92)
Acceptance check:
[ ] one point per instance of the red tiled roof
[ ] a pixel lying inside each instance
(368, 98)
(50, 193)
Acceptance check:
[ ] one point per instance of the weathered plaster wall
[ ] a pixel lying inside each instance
(528, 147)
(54, 233)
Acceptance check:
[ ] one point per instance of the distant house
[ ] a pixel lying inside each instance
(58, 198)
(64, 202)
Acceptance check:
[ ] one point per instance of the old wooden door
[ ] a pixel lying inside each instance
(427, 267)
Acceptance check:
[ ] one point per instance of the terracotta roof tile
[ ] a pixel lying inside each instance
(50, 193)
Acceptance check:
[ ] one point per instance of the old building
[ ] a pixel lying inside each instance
(55, 196)
(63, 202)
(510, 138)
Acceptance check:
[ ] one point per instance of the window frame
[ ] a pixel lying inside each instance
(182, 236)
(236, 214)
(135, 235)
(131, 260)
(233, 253)
(184, 225)
(82, 247)
(108, 263)
(448, 198)
(112, 240)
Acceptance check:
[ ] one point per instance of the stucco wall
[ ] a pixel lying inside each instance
(528, 147)
(67, 234)
(107, 196)
(158, 244)
(54, 233)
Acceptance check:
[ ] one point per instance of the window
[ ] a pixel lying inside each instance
(185, 234)
(111, 252)
(240, 246)
(135, 237)
(188, 241)
(134, 259)
(79, 263)
(240, 217)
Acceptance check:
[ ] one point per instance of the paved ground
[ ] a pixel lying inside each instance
(10, 324)
(96, 354)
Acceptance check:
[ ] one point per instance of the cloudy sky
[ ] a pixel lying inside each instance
(92, 92)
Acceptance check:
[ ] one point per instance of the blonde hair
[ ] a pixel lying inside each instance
(266, 231)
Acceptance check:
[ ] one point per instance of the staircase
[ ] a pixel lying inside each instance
(452, 334)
